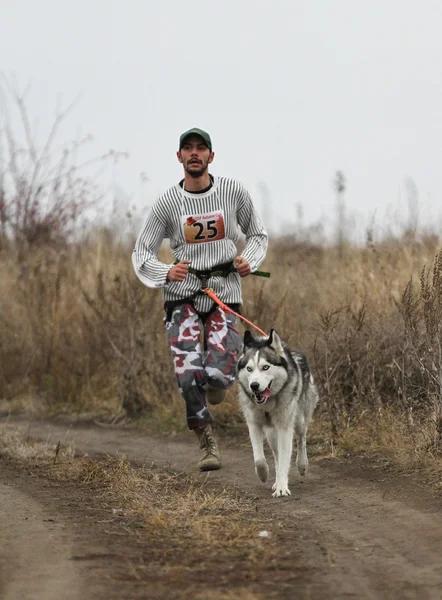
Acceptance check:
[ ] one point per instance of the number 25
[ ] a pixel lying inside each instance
(212, 231)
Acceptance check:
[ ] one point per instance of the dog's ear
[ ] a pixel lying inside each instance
(274, 342)
(248, 338)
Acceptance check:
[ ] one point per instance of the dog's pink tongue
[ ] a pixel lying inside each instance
(266, 393)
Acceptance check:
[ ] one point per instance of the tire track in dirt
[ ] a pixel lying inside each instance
(35, 552)
(358, 532)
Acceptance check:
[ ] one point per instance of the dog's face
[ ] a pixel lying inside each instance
(262, 368)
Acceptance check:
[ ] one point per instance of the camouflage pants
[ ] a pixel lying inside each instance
(195, 367)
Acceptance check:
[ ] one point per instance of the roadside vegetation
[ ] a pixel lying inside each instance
(80, 335)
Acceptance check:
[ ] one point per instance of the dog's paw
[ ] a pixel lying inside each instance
(262, 470)
(302, 470)
(302, 466)
(281, 491)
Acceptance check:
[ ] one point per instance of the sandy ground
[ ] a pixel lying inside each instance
(35, 551)
(349, 530)
(52, 542)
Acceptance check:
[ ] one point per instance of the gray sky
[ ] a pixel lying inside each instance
(290, 91)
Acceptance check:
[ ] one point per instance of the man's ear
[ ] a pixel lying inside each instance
(178, 155)
(248, 339)
(211, 157)
(274, 342)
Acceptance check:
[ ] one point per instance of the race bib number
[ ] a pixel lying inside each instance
(204, 228)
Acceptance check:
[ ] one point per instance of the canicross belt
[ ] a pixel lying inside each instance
(220, 271)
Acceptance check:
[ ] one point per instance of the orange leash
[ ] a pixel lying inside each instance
(211, 294)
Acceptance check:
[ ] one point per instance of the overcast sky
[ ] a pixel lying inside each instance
(290, 91)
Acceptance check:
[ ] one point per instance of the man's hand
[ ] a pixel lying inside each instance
(242, 266)
(179, 271)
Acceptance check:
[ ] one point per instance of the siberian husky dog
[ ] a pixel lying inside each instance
(277, 396)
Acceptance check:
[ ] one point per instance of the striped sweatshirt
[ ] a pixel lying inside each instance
(204, 229)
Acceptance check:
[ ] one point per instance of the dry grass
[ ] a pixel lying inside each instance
(81, 335)
(18, 446)
(403, 439)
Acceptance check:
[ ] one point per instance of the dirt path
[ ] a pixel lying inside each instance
(35, 551)
(47, 549)
(357, 533)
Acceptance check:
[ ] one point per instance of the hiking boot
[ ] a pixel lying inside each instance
(210, 456)
(215, 395)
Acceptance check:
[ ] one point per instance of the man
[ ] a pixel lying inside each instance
(200, 216)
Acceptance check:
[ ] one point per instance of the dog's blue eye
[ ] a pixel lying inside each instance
(265, 368)
(249, 369)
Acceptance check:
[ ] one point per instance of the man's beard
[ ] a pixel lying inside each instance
(196, 170)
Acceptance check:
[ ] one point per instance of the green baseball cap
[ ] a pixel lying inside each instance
(196, 131)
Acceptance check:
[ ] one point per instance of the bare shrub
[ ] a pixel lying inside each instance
(43, 193)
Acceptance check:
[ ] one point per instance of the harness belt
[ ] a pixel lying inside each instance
(222, 270)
